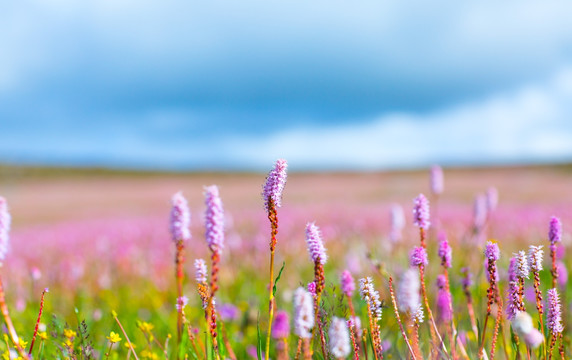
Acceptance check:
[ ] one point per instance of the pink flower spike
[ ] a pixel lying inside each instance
(445, 251)
(281, 325)
(555, 231)
(274, 185)
(5, 221)
(436, 179)
(214, 219)
(315, 244)
(347, 283)
(554, 315)
(200, 271)
(492, 251)
(421, 212)
(180, 218)
(418, 257)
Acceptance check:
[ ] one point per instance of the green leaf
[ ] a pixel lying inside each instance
(277, 279)
(259, 338)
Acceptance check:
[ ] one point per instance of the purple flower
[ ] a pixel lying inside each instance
(445, 251)
(182, 301)
(201, 271)
(214, 219)
(554, 315)
(274, 185)
(397, 222)
(421, 212)
(555, 231)
(180, 218)
(5, 221)
(339, 338)
(513, 300)
(228, 312)
(281, 325)
(562, 274)
(311, 287)
(347, 283)
(443, 300)
(315, 244)
(492, 197)
(492, 251)
(436, 179)
(408, 291)
(418, 256)
(467, 280)
(480, 211)
(535, 254)
(512, 270)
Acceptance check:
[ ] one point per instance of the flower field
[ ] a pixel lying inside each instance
(410, 264)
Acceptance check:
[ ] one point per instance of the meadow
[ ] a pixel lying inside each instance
(103, 243)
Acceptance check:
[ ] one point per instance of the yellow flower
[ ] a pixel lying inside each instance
(149, 355)
(23, 343)
(113, 337)
(145, 326)
(6, 355)
(68, 343)
(69, 333)
(129, 345)
(43, 335)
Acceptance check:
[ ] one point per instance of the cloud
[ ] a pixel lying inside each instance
(185, 84)
(528, 125)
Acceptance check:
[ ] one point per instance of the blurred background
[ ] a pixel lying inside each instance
(374, 85)
(109, 107)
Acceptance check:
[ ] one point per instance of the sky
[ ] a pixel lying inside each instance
(234, 85)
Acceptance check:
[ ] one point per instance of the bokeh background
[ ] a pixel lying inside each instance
(107, 108)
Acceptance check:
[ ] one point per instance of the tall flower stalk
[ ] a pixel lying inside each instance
(214, 234)
(554, 236)
(179, 226)
(418, 258)
(5, 222)
(554, 319)
(492, 254)
(318, 255)
(446, 255)
(371, 297)
(272, 196)
(535, 254)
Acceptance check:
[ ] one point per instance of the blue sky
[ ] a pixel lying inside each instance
(325, 84)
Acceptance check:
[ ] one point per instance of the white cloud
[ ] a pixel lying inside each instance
(531, 124)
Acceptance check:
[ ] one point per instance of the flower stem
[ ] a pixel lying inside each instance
(37, 322)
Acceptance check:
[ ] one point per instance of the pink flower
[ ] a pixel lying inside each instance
(180, 218)
(421, 212)
(347, 283)
(418, 256)
(214, 219)
(5, 221)
(315, 244)
(274, 185)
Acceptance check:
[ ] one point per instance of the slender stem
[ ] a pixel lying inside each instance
(434, 330)
(298, 349)
(273, 218)
(9, 324)
(394, 302)
(38, 322)
(125, 334)
(179, 261)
